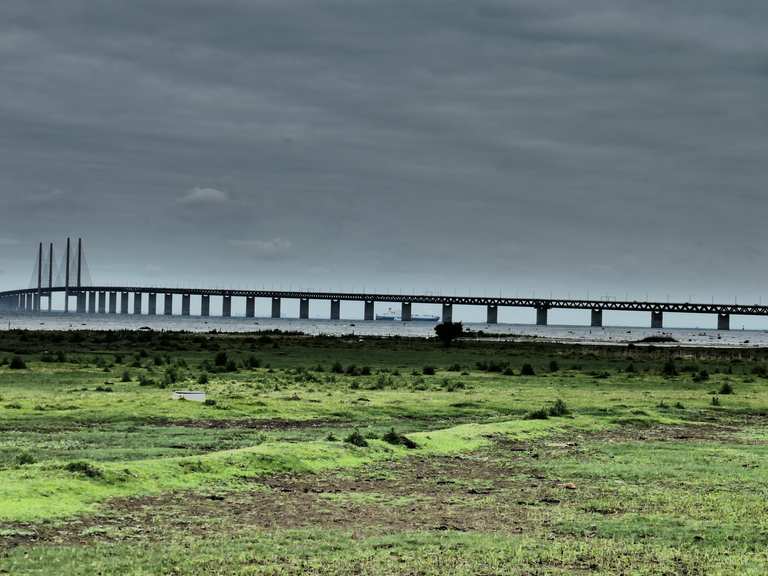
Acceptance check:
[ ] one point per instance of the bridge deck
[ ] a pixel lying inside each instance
(541, 303)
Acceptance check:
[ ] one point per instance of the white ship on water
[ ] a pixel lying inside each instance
(394, 316)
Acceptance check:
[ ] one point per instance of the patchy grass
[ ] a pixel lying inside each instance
(629, 469)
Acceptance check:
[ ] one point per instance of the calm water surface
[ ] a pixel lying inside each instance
(582, 334)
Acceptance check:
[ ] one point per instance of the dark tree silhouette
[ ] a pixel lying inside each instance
(449, 331)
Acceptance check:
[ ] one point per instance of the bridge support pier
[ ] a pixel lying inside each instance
(124, 303)
(405, 312)
(81, 296)
(186, 300)
(597, 318)
(492, 314)
(335, 310)
(36, 302)
(168, 305)
(152, 304)
(447, 312)
(205, 306)
(657, 319)
(113, 302)
(276, 312)
(368, 310)
(304, 308)
(31, 303)
(102, 302)
(723, 321)
(137, 304)
(91, 302)
(250, 307)
(541, 316)
(226, 306)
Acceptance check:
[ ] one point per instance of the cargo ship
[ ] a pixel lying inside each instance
(393, 316)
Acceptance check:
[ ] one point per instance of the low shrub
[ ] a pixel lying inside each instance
(84, 468)
(126, 377)
(715, 401)
(25, 459)
(701, 376)
(540, 414)
(356, 439)
(726, 388)
(428, 370)
(554, 366)
(527, 370)
(17, 363)
(559, 408)
(396, 439)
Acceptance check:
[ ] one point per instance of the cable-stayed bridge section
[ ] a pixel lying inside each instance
(73, 281)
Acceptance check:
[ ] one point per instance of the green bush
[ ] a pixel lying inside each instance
(554, 366)
(527, 370)
(17, 363)
(428, 370)
(726, 388)
(25, 459)
(203, 378)
(715, 401)
(84, 468)
(559, 408)
(540, 414)
(356, 439)
(126, 377)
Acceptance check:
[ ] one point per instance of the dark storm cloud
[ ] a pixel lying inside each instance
(604, 145)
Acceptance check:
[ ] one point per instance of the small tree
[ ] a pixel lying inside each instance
(447, 332)
(17, 363)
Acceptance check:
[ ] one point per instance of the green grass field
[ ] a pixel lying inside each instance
(378, 456)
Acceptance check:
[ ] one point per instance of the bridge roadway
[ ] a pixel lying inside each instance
(104, 299)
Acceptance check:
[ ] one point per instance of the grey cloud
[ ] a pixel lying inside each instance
(530, 145)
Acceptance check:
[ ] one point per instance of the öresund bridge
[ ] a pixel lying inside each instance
(72, 281)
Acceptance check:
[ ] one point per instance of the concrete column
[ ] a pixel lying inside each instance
(335, 310)
(597, 317)
(81, 302)
(657, 319)
(541, 316)
(250, 307)
(275, 307)
(168, 305)
(405, 312)
(447, 312)
(102, 302)
(304, 308)
(113, 302)
(492, 314)
(186, 299)
(368, 310)
(226, 306)
(152, 304)
(723, 321)
(205, 305)
(124, 303)
(31, 303)
(91, 302)
(36, 302)
(137, 298)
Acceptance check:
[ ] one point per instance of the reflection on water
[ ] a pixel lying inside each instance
(584, 334)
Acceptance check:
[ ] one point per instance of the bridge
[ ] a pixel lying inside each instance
(95, 299)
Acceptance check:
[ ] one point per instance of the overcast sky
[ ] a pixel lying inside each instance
(524, 146)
